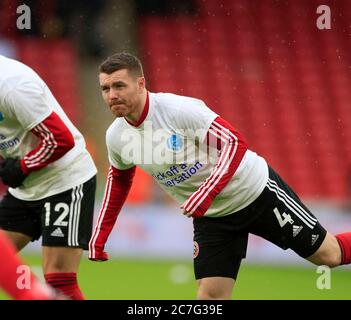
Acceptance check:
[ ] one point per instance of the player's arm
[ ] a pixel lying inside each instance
(55, 141)
(231, 148)
(117, 188)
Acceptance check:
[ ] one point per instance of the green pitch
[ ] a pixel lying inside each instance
(139, 279)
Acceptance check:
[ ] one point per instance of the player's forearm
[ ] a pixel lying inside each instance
(232, 147)
(55, 141)
(117, 188)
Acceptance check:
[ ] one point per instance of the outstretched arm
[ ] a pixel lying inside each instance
(231, 148)
(116, 191)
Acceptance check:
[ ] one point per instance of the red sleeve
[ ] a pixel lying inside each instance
(117, 189)
(231, 149)
(55, 140)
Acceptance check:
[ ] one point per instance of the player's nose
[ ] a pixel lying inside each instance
(113, 94)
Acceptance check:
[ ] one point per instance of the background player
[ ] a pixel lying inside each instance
(50, 174)
(230, 196)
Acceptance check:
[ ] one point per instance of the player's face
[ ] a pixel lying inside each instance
(122, 92)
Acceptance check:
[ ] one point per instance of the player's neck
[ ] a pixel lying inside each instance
(138, 116)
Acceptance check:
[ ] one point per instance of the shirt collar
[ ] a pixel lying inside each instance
(143, 114)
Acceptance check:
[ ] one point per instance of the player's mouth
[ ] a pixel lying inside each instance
(119, 104)
(117, 109)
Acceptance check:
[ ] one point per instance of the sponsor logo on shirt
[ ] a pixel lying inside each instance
(8, 144)
(177, 174)
(175, 142)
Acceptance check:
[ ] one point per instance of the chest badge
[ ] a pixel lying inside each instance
(175, 142)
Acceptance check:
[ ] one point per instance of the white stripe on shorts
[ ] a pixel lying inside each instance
(303, 215)
(75, 206)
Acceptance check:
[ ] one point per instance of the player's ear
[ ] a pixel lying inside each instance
(141, 83)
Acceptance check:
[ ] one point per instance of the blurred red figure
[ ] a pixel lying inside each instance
(10, 265)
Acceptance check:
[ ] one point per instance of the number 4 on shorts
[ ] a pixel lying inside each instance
(283, 218)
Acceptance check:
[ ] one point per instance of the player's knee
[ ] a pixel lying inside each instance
(330, 258)
(207, 295)
(54, 265)
(215, 288)
(211, 294)
(61, 259)
(329, 253)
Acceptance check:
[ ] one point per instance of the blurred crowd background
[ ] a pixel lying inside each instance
(262, 65)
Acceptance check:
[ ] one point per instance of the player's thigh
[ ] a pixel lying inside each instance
(286, 221)
(59, 259)
(67, 218)
(218, 248)
(215, 288)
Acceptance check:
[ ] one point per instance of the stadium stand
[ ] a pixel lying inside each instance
(56, 62)
(271, 72)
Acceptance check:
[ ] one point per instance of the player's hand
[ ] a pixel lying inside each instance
(98, 255)
(11, 172)
(186, 213)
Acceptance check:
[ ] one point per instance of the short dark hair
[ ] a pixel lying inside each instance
(122, 60)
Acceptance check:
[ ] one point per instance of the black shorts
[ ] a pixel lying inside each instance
(277, 215)
(63, 220)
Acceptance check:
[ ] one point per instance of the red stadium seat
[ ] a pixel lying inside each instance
(278, 80)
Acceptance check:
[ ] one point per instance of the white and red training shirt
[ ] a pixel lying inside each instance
(34, 128)
(166, 145)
